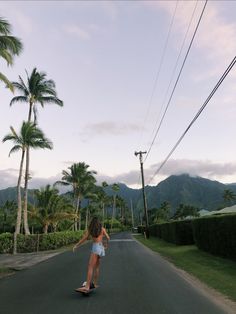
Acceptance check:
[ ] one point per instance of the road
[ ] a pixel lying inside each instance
(133, 280)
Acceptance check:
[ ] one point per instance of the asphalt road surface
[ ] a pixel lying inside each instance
(133, 280)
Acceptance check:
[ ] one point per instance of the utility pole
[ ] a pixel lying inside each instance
(144, 196)
(132, 213)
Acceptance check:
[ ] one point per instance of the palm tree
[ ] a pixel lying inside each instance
(228, 196)
(79, 178)
(9, 47)
(51, 208)
(115, 188)
(36, 90)
(29, 137)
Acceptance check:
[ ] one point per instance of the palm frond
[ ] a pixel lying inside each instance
(51, 100)
(5, 27)
(15, 149)
(18, 99)
(4, 79)
(7, 56)
(11, 43)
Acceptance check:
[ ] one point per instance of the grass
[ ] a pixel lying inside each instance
(216, 272)
(4, 271)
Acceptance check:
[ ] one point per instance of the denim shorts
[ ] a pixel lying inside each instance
(98, 249)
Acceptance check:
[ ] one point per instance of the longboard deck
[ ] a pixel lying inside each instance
(86, 292)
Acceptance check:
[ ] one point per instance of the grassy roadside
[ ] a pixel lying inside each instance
(4, 271)
(216, 272)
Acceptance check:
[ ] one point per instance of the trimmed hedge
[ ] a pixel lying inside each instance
(141, 229)
(40, 242)
(177, 232)
(216, 235)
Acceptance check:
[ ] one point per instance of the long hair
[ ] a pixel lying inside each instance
(95, 227)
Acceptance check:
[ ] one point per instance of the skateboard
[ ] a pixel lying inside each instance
(92, 288)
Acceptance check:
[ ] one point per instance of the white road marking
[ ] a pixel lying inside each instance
(121, 240)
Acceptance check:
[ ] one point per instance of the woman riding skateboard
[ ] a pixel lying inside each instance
(97, 232)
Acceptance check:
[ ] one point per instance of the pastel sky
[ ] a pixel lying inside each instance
(105, 58)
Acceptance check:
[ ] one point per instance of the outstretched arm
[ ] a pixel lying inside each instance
(105, 234)
(84, 238)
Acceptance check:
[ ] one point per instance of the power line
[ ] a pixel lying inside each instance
(175, 67)
(160, 66)
(177, 80)
(197, 114)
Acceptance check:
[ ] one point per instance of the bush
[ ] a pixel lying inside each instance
(177, 232)
(6, 242)
(41, 242)
(216, 235)
(141, 229)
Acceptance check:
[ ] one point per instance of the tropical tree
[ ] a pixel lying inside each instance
(36, 90)
(115, 188)
(8, 211)
(163, 212)
(9, 47)
(29, 136)
(80, 179)
(228, 196)
(51, 208)
(183, 211)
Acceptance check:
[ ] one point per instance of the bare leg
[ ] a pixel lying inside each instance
(96, 271)
(92, 262)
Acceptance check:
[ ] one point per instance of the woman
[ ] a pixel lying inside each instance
(97, 232)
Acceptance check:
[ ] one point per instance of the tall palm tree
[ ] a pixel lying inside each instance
(115, 188)
(29, 136)
(51, 208)
(79, 178)
(36, 90)
(9, 47)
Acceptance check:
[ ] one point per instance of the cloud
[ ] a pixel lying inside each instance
(8, 178)
(223, 172)
(202, 168)
(216, 36)
(109, 128)
(77, 31)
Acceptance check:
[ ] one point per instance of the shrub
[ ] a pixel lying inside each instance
(41, 242)
(6, 242)
(177, 232)
(216, 234)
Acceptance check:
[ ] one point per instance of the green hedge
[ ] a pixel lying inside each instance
(141, 229)
(177, 232)
(41, 242)
(216, 235)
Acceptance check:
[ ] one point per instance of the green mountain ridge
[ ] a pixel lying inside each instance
(176, 189)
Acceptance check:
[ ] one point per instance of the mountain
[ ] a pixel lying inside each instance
(176, 189)
(10, 194)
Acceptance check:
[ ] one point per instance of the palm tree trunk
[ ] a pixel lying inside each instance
(19, 210)
(45, 229)
(103, 213)
(77, 211)
(113, 210)
(26, 225)
(30, 111)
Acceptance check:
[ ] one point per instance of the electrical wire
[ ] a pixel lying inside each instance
(159, 68)
(197, 115)
(177, 80)
(175, 67)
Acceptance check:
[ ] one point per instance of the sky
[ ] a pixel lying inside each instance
(112, 63)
